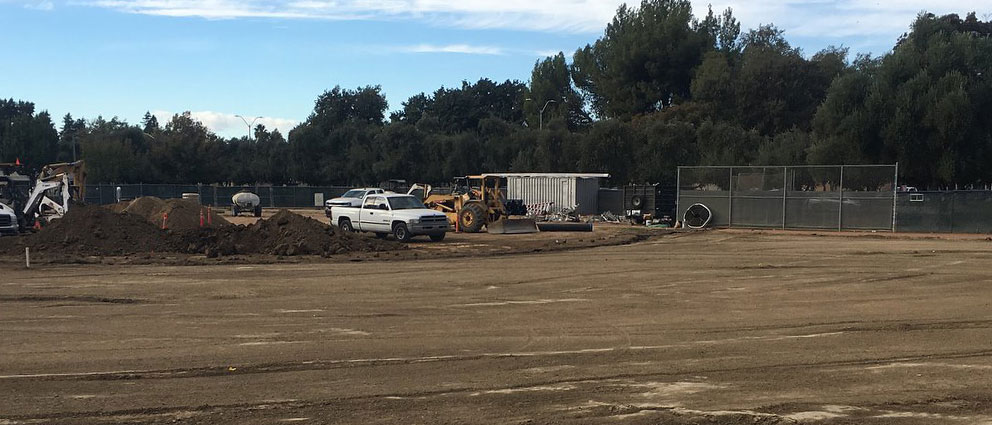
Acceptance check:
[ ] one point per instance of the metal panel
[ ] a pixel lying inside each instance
(587, 196)
(560, 191)
(610, 200)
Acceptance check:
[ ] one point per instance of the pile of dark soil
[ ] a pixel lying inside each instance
(98, 231)
(182, 214)
(285, 233)
(93, 230)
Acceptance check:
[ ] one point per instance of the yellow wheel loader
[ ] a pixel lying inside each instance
(476, 202)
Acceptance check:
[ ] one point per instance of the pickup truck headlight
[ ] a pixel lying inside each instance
(415, 221)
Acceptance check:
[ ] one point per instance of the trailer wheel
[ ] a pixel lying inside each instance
(258, 211)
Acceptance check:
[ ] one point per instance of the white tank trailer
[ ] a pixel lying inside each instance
(246, 202)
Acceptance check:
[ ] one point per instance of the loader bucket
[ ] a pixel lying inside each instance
(512, 226)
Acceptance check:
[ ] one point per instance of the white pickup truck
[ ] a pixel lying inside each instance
(403, 216)
(351, 198)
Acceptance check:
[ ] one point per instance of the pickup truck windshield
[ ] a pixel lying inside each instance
(405, 203)
(357, 194)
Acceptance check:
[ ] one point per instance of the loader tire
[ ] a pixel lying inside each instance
(471, 218)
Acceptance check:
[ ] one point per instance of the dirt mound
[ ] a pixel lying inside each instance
(179, 214)
(94, 230)
(285, 233)
(99, 231)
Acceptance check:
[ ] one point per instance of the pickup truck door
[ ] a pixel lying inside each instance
(374, 219)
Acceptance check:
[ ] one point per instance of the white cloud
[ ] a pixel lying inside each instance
(808, 18)
(840, 18)
(544, 15)
(454, 48)
(230, 125)
(45, 5)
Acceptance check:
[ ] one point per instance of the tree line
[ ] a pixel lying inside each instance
(660, 88)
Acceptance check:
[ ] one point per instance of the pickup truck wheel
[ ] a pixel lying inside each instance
(437, 237)
(471, 218)
(346, 226)
(401, 232)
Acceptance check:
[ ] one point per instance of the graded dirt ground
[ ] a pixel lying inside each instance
(689, 328)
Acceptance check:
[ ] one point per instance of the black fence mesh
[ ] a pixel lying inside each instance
(817, 197)
(219, 196)
(944, 212)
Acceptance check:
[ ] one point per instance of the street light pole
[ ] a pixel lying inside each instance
(541, 124)
(249, 125)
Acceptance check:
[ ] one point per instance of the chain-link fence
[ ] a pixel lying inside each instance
(219, 196)
(957, 211)
(839, 197)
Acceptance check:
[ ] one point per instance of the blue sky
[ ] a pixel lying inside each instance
(271, 58)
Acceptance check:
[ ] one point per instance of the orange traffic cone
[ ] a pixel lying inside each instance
(165, 220)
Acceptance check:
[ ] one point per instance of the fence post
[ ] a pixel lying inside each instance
(895, 195)
(730, 200)
(678, 194)
(840, 206)
(785, 192)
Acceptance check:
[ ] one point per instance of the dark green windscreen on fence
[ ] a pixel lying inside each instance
(818, 197)
(219, 196)
(944, 212)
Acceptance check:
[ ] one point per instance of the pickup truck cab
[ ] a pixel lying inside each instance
(351, 198)
(403, 216)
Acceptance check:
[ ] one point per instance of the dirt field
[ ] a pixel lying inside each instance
(708, 328)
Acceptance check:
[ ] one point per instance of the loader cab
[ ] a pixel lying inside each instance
(14, 187)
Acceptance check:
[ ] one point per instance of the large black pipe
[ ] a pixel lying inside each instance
(564, 227)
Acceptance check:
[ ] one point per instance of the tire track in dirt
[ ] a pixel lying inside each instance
(462, 390)
(213, 371)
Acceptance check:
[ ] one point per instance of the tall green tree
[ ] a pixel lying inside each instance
(645, 60)
(551, 86)
(924, 105)
(26, 135)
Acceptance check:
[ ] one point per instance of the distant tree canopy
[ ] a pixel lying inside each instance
(660, 88)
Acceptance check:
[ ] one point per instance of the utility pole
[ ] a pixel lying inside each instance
(252, 124)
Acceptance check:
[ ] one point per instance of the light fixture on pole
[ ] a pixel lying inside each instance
(252, 124)
(541, 122)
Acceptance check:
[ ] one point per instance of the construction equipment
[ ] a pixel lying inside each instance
(474, 203)
(74, 171)
(49, 196)
(246, 201)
